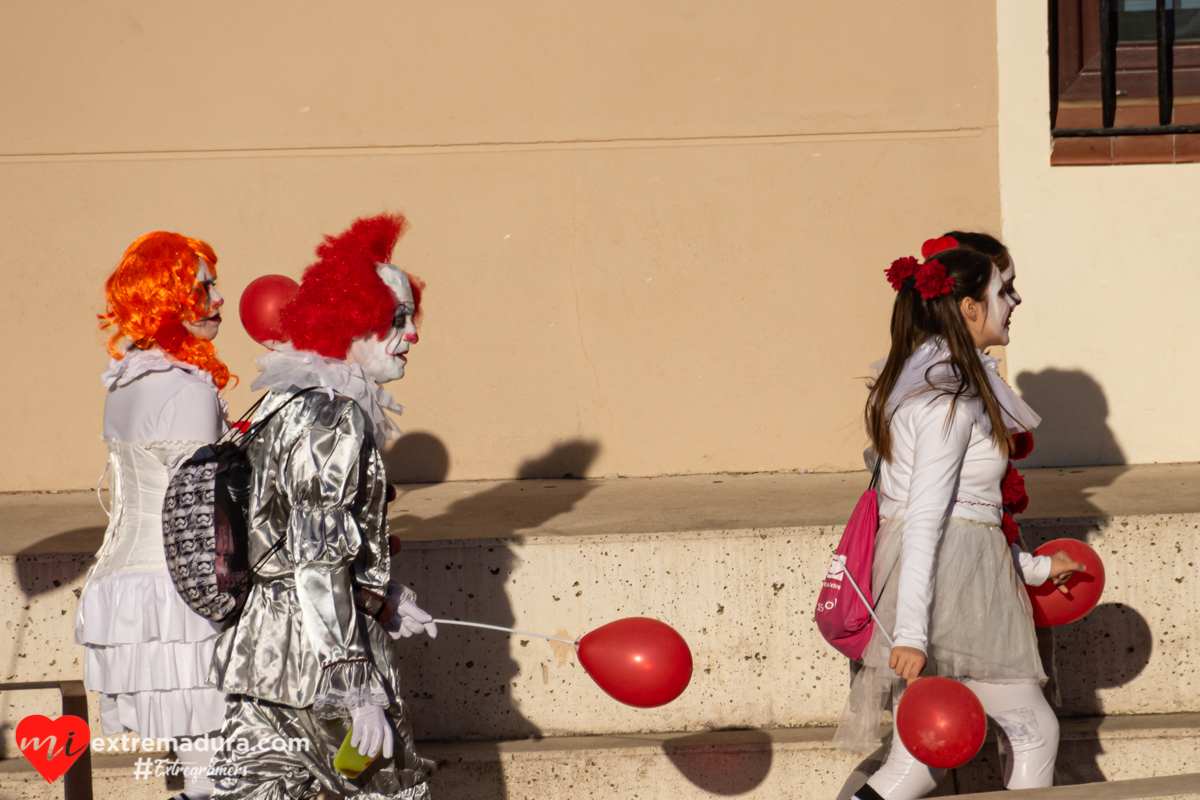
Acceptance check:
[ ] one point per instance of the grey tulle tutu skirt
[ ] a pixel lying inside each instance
(980, 623)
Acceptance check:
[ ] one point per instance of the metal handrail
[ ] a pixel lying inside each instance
(77, 783)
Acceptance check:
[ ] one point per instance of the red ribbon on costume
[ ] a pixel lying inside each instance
(171, 335)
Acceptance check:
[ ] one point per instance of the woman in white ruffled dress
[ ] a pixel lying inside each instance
(147, 652)
(947, 578)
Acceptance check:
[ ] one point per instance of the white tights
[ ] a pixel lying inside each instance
(196, 783)
(1028, 732)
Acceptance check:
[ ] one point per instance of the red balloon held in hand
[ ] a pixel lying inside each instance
(260, 305)
(1050, 606)
(639, 661)
(941, 722)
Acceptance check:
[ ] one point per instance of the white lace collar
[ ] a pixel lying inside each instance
(284, 368)
(136, 363)
(933, 353)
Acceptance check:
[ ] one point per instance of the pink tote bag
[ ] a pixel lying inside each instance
(843, 615)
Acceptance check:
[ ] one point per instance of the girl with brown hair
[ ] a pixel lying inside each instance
(947, 581)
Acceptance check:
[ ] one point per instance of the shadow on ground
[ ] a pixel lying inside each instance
(725, 769)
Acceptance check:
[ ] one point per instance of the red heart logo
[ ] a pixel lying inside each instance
(52, 745)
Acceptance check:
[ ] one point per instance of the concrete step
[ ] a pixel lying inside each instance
(1169, 787)
(546, 556)
(1134, 753)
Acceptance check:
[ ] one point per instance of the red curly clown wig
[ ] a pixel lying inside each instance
(153, 291)
(341, 296)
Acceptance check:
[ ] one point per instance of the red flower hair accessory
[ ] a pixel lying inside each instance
(934, 246)
(901, 270)
(932, 280)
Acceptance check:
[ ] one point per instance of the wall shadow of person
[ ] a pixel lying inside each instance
(1074, 410)
(477, 703)
(417, 457)
(732, 766)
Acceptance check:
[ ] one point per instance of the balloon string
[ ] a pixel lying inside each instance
(870, 610)
(502, 628)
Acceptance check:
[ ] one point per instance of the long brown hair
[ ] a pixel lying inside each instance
(914, 321)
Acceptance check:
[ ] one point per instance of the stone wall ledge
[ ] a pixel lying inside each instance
(73, 522)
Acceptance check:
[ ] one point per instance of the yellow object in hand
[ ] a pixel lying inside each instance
(348, 760)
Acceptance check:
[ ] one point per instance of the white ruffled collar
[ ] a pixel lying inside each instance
(284, 368)
(136, 363)
(915, 377)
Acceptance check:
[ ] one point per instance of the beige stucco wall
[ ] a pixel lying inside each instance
(657, 228)
(1108, 266)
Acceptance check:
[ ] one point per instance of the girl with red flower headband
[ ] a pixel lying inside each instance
(947, 583)
(147, 652)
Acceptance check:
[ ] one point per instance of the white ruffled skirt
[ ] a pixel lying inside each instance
(980, 622)
(148, 655)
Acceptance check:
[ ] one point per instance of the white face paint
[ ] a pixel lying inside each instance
(383, 359)
(210, 304)
(1002, 298)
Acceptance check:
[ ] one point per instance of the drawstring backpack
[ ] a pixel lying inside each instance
(844, 617)
(205, 521)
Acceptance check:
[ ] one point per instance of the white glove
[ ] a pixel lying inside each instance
(407, 616)
(371, 730)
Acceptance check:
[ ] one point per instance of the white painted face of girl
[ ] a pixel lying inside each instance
(1002, 298)
(383, 359)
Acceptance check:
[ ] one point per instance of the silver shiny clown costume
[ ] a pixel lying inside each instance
(301, 655)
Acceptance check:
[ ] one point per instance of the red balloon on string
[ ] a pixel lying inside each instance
(260, 305)
(1050, 606)
(640, 661)
(941, 722)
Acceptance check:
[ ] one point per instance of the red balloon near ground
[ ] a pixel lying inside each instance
(941, 722)
(640, 661)
(260, 305)
(1050, 606)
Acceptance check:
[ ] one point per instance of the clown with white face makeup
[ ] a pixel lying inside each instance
(312, 655)
(383, 358)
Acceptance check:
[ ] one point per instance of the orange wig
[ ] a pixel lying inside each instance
(153, 291)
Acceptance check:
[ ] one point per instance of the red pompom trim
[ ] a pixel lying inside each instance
(901, 270)
(1012, 490)
(1010, 528)
(932, 280)
(934, 246)
(1022, 445)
